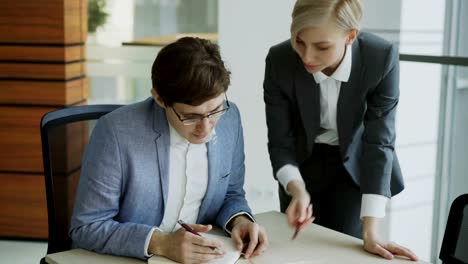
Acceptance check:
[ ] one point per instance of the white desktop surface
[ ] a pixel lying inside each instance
(314, 245)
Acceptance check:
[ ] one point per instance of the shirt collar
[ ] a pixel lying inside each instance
(341, 73)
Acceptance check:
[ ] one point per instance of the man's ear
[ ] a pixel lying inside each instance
(157, 98)
(352, 35)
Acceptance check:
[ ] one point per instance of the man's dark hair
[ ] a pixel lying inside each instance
(189, 71)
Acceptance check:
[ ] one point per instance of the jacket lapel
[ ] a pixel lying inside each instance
(162, 141)
(214, 153)
(350, 97)
(308, 99)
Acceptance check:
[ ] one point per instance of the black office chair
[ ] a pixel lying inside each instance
(454, 248)
(64, 135)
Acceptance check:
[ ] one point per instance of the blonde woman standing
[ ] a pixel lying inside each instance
(331, 94)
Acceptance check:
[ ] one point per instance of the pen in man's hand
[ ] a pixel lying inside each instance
(191, 230)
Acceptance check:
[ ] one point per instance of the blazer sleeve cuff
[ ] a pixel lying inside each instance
(288, 173)
(232, 217)
(373, 205)
(148, 239)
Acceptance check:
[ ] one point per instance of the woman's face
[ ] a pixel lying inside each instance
(322, 48)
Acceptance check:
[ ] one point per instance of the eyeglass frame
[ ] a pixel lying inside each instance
(210, 116)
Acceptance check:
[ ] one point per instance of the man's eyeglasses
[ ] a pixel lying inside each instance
(195, 118)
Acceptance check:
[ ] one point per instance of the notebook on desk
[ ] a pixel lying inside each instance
(231, 256)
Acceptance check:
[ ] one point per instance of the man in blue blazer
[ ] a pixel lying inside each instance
(161, 160)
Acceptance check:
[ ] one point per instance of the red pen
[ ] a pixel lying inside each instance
(301, 224)
(298, 227)
(190, 229)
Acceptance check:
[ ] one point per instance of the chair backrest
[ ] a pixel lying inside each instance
(64, 135)
(455, 243)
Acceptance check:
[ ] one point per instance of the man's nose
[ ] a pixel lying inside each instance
(204, 124)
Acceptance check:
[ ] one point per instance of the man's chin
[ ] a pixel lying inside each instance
(197, 140)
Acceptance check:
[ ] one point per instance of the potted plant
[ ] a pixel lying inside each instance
(96, 17)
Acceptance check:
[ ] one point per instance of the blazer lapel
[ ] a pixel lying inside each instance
(308, 99)
(162, 140)
(214, 153)
(350, 97)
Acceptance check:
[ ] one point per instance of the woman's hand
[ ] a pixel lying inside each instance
(299, 211)
(374, 245)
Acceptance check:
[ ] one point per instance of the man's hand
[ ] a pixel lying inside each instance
(243, 229)
(299, 211)
(185, 247)
(374, 245)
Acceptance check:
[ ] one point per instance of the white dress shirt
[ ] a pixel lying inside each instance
(188, 182)
(188, 170)
(372, 204)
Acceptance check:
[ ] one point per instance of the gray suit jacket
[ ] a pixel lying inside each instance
(365, 115)
(124, 181)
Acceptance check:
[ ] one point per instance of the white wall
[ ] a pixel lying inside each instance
(246, 31)
(410, 214)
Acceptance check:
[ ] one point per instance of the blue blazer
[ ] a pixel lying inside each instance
(124, 181)
(365, 116)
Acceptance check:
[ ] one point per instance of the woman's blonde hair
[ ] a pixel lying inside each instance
(309, 13)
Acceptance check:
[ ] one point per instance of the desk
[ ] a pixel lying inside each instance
(314, 245)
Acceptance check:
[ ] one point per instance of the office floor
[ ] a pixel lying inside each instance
(22, 252)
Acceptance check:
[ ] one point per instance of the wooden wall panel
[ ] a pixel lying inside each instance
(24, 207)
(42, 68)
(22, 152)
(30, 21)
(42, 53)
(84, 22)
(73, 24)
(59, 71)
(20, 144)
(33, 21)
(23, 204)
(43, 92)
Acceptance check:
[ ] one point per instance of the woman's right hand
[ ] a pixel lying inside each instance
(299, 211)
(185, 247)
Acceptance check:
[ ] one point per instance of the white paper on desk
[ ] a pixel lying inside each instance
(231, 253)
(230, 257)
